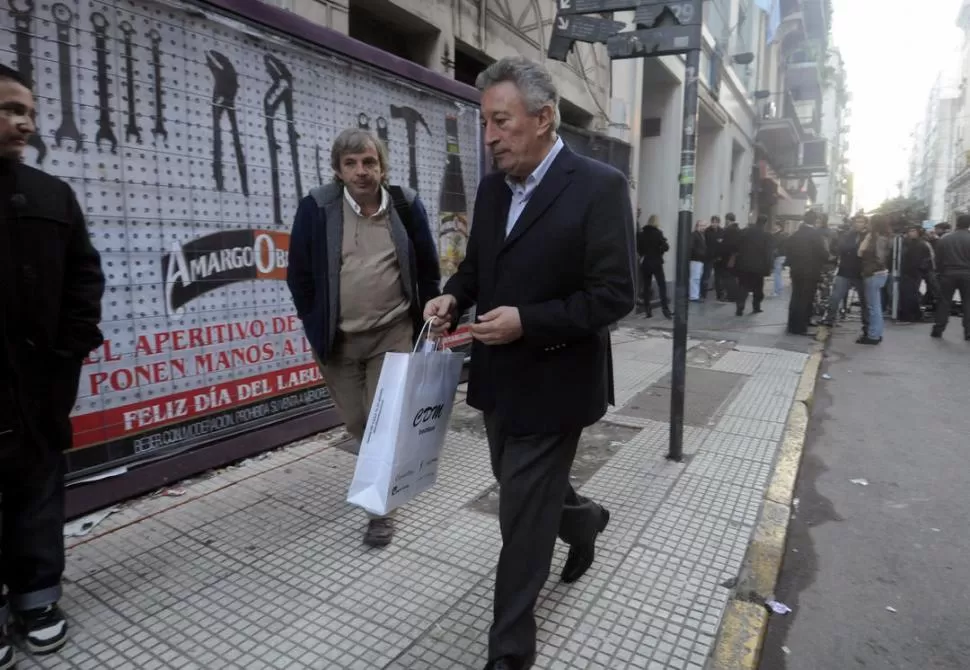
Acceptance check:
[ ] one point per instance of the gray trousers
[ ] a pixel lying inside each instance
(536, 504)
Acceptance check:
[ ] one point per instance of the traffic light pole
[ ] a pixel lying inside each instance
(685, 222)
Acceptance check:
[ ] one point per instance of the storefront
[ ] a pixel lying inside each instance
(188, 133)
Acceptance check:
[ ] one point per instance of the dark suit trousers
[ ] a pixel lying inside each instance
(948, 285)
(803, 287)
(536, 504)
(750, 282)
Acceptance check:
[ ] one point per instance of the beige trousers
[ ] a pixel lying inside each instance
(355, 367)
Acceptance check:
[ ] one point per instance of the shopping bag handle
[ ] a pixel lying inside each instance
(426, 328)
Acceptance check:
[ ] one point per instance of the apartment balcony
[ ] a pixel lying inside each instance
(779, 131)
(804, 72)
(813, 14)
(812, 161)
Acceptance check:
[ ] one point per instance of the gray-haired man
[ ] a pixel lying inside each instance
(549, 266)
(362, 263)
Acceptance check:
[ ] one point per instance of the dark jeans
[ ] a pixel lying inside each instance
(536, 504)
(803, 286)
(32, 533)
(650, 271)
(948, 285)
(750, 282)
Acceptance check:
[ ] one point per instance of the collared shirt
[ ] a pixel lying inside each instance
(522, 190)
(381, 211)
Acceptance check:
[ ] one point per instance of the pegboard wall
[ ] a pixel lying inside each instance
(189, 138)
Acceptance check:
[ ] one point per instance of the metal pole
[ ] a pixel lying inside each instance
(685, 222)
(894, 285)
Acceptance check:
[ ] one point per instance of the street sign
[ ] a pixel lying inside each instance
(686, 12)
(664, 41)
(566, 7)
(586, 28)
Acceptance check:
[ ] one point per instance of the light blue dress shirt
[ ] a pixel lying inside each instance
(522, 190)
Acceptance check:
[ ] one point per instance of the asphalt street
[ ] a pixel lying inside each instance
(877, 568)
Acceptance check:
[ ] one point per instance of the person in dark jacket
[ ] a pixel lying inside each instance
(548, 279)
(362, 265)
(730, 245)
(916, 262)
(51, 285)
(651, 247)
(953, 264)
(753, 263)
(698, 257)
(849, 275)
(806, 255)
(713, 237)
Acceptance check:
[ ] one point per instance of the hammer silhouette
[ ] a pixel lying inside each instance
(411, 118)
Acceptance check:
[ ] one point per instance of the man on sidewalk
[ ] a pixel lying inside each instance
(753, 264)
(846, 249)
(953, 260)
(51, 286)
(550, 266)
(806, 254)
(362, 263)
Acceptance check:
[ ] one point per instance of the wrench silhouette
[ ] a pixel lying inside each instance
(23, 45)
(106, 131)
(156, 40)
(63, 16)
(131, 126)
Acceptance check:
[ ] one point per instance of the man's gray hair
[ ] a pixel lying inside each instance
(357, 141)
(532, 79)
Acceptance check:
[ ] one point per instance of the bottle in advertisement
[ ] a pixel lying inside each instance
(452, 205)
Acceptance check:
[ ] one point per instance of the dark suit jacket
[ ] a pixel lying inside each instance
(568, 265)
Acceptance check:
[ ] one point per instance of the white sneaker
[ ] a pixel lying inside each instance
(7, 658)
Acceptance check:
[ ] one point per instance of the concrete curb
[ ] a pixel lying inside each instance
(745, 621)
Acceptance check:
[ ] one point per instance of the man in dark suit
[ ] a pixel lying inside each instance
(806, 253)
(549, 266)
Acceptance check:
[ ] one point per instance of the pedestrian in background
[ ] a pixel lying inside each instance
(698, 257)
(953, 262)
(730, 246)
(875, 252)
(753, 263)
(849, 273)
(915, 263)
(807, 255)
(549, 266)
(779, 238)
(651, 246)
(713, 237)
(51, 285)
(362, 265)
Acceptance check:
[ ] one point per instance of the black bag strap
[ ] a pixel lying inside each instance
(403, 208)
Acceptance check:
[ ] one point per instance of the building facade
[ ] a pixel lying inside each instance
(833, 189)
(792, 148)
(459, 38)
(957, 192)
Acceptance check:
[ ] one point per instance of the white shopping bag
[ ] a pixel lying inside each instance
(406, 428)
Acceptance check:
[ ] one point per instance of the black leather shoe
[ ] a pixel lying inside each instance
(581, 556)
(511, 663)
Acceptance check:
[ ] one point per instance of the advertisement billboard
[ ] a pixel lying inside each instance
(188, 137)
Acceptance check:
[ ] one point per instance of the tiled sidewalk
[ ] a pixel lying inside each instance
(262, 566)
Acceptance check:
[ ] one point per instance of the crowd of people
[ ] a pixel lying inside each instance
(826, 266)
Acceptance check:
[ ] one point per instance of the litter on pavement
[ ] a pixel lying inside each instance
(778, 607)
(860, 482)
(826, 376)
(890, 609)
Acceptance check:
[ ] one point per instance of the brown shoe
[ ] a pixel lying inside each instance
(380, 532)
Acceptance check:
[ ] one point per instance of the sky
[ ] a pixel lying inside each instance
(893, 51)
